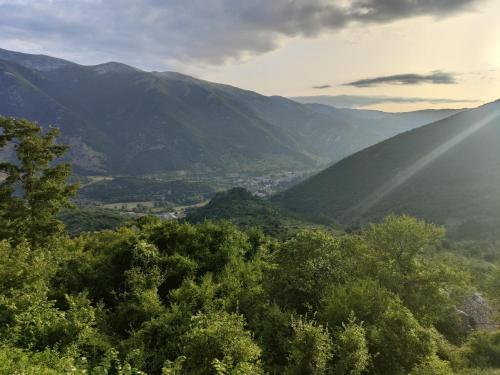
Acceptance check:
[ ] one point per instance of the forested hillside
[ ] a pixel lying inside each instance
(248, 211)
(124, 121)
(134, 189)
(158, 297)
(446, 172)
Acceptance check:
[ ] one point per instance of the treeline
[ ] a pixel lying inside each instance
(161, 297)
(135, 189)
(246, 210)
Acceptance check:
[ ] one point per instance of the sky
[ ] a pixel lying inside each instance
(393, 55)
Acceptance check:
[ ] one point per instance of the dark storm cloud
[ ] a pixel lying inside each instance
(406, 79)
(360, 101)
(150, 32)
(322, 87)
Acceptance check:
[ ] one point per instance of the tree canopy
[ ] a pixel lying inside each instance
(34, 189)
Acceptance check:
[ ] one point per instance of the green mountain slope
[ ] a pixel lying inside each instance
(121, 120)
(447, 172)
(247, 210)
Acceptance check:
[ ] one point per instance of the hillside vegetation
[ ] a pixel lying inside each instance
(158, 297)
(446, 172)
(134, 189)
(77, 220)
(248, 211)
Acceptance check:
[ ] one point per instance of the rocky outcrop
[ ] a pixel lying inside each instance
(478, 312)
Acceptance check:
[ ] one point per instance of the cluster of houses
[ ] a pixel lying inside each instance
(266, 185)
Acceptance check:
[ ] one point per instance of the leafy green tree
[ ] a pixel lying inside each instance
(219, 344)
(432, 366)
(400, 341)
(241, 287)
(31, 320)
(365, 299)
(173, 367)
(483, 349)
(351, 354)
(140, 301)
(211, 245)
(405, 261)
(158, 341)
(49, 362)
(274, 333)
(34, 189)
(310, 349)
(401, 240)
(304, 266)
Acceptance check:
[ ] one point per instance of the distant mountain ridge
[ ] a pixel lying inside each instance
(447, 172)
(37, 62)
(122, 120)
(363, 101)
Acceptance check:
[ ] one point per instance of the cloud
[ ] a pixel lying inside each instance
(406, 79)
(322, 87)
(153, 32)
(360, 101)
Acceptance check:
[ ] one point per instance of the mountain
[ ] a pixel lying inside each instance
(363, 128)
(447, 172)
(364, 101)
(124, 121)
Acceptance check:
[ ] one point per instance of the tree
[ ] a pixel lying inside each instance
(311, 349)
(400, 341)
(366, 299)
(351, 349)
(483, 349)
(305, 265)
(217, 343)
(34, 189)
(432, 366)
(405, 261)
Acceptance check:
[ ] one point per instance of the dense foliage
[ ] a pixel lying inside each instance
(160, 297)
(33, 191)
(246, 211)
(91, 219)
(135, 189)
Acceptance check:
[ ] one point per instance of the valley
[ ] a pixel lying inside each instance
(172, 196)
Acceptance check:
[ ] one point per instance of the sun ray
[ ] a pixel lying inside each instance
(403, 176)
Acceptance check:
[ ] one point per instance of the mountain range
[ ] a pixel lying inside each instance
(446, 172)
(120, 120)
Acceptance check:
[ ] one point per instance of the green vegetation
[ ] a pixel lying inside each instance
(134, 189)
(167, 297)
(249, 211)
(446, 172)
(79, 220)
(33, 191)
